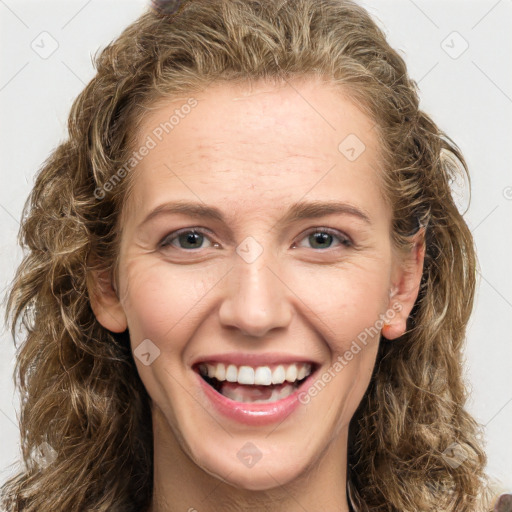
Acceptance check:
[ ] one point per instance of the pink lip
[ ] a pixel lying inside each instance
(254, 414)
(238, 359)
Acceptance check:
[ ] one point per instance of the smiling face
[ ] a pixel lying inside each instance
(257, 236)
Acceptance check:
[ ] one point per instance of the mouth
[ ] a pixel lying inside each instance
(260, 384)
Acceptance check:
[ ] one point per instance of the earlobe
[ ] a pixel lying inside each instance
(389, 331)
(405, 287)
(104, 301)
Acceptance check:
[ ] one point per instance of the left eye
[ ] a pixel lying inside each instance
(322, 238)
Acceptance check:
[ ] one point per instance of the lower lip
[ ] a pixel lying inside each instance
(254, 413)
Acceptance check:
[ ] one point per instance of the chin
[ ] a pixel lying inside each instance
(262, 476)
(257, 479)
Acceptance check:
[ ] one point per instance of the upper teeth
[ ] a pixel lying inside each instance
(261, 375)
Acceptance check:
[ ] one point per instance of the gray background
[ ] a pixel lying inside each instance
(459, 53)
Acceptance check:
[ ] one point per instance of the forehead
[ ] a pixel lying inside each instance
(231, 137)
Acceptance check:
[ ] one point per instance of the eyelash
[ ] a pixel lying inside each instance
(169, 238)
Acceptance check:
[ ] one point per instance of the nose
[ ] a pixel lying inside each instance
(257, 299)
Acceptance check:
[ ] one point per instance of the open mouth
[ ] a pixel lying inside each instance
(263, 384)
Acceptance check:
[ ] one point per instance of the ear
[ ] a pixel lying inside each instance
(104, 301)
(406, 279)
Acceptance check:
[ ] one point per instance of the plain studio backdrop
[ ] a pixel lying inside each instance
(457, 51)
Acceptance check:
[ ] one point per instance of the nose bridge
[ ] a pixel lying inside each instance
(255, 301)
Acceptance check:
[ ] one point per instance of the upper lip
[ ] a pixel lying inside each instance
(254, 360)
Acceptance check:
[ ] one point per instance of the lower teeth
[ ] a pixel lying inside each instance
(277, 394)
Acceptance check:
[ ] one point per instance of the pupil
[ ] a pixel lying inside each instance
(191, 238)
(321, 238)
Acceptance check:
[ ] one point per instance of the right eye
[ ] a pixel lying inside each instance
(185, 239)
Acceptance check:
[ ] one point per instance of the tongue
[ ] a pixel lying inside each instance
(249, 392)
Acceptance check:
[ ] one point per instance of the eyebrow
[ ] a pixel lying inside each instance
(298, 211)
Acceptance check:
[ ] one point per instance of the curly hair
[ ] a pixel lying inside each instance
(81, 393)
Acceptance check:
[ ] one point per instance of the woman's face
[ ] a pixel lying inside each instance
(290, 270)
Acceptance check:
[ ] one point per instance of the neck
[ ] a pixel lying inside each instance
(181, 485)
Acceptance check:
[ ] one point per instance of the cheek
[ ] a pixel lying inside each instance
(161, 302)
(347, 300)
(162, 305)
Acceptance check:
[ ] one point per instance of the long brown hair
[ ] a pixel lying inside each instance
(83, 401)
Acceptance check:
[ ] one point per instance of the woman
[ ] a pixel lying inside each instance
(247, 283)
